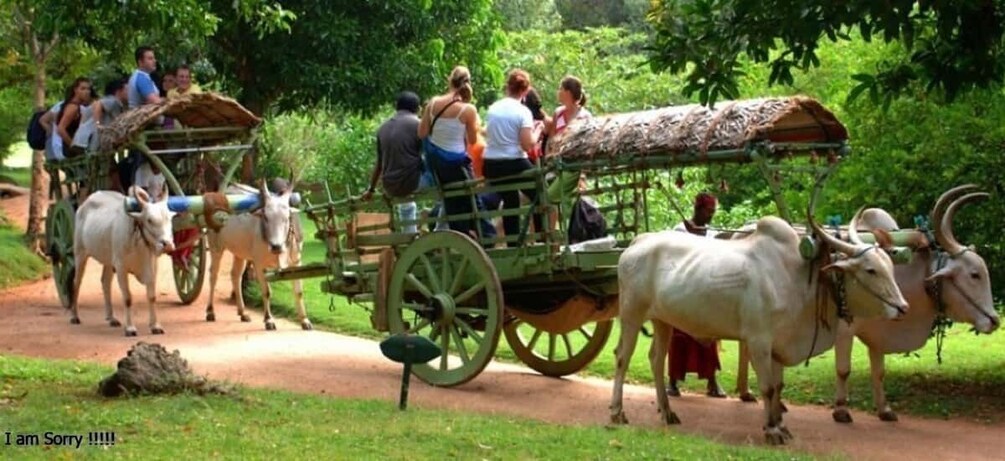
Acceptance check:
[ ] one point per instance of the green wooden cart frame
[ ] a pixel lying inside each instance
(554, 303)
(212, 132)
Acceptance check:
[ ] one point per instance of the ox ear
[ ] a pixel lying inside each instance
(942, 273)
(883, 238)
(839, 265)
(141, 196)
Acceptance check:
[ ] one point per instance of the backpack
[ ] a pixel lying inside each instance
(586, 222)
(35, 132)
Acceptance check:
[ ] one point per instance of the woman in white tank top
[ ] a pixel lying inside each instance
(447, 122)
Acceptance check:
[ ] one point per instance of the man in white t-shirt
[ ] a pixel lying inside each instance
(686, 353)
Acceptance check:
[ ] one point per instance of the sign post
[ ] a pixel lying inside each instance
(408, 349)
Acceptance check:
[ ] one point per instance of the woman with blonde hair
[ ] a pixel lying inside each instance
(448, 124)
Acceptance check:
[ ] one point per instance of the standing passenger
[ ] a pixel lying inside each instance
(447, 123)
(509, 136)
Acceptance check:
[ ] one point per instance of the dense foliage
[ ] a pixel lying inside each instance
(356, 54)
(949, 46)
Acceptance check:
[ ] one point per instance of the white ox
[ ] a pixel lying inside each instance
(964, 291)
(124, 243)
(270, 237)
(759, 290)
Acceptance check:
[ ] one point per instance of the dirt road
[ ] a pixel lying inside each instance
(33, 323)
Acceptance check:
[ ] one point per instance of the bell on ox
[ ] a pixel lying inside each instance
(408, 349)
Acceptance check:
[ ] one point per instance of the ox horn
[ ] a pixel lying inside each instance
(944, 231)
(263, 191)
(943, 202)
(837, 244)
(853, 228)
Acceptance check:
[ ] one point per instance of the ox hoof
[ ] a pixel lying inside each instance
(157, 330)
(888, 416)
(747, 397)
(306, 325)
(619, 418)
(776, 436)
(270, 326)
(245, 318)
(114, 323)
(75, 321)
(842, 415)
(210, 317)
(130, 332)
(671, 419)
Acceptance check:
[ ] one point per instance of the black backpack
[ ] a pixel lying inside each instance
(36, 134)
(586, 222)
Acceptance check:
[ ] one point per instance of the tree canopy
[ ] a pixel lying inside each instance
(357, 53)
(948, 47)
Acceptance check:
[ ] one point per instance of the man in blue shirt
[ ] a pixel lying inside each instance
(141, 88)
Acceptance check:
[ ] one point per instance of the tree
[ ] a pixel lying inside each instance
(519, 15)
(949, 47)
(356, 54)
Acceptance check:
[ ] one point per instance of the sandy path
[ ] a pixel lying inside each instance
(32, 322)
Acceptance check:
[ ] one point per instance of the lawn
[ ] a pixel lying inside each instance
(19, 176)
(970, 383)
(17, 264)
(60, 397)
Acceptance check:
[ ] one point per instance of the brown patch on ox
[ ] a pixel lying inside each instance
(213, 202)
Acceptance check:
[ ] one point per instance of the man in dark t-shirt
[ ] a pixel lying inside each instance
(399, 156)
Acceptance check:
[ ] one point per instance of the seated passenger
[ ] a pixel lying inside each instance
(183, 80)
(399, 157)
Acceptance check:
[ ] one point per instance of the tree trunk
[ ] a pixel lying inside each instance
(37, 203)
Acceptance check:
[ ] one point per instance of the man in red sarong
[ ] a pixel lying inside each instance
(686, 353)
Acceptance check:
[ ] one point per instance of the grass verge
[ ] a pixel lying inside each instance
(59, 396)
(969, 384)
(17, 263)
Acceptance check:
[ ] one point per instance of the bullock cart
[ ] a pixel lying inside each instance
(553, 300)
(199, 154)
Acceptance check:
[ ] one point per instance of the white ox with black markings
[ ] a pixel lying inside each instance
(124, 243)
(269, 237)
(759, 290)
(951, 275)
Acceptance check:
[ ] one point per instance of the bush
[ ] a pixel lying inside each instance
(322, 145)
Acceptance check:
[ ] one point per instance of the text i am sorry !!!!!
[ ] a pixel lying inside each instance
(48, 438)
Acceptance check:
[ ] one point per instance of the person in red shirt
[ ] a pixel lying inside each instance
(688, 355)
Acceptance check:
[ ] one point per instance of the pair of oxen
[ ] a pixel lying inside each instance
(130, 242)
(757, 288)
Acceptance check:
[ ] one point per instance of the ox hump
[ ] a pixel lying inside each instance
(777, 229)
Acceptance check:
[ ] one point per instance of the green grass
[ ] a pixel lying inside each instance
(20, 176)
(60, 396)
(17, 263)
(970, 383)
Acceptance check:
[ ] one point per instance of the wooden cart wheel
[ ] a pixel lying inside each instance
(445, 287)
(188, 279)
(59, 242)
(559, 354)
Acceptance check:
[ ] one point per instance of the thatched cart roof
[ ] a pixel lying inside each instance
(697, 129)
(202, 110)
